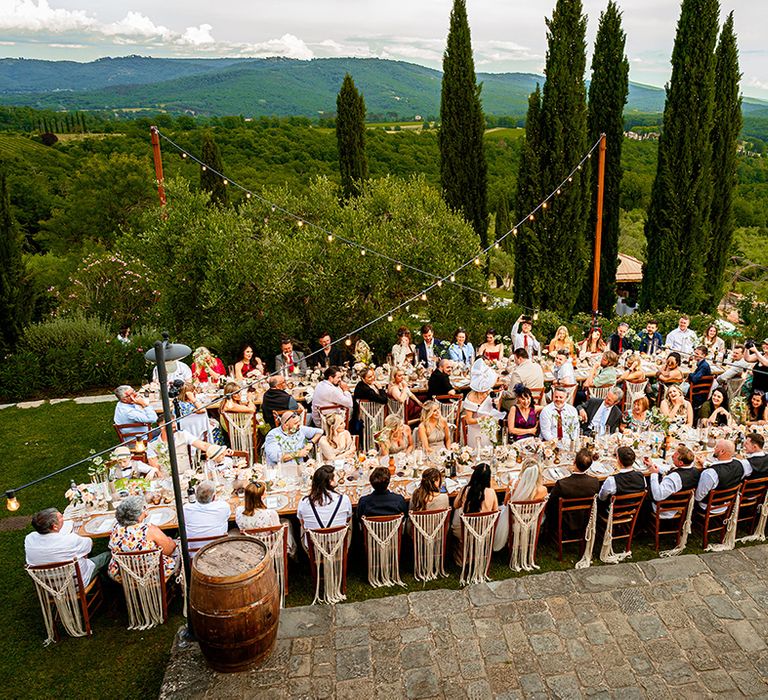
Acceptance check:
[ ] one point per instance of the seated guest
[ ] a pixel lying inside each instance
(277, 398)
(439, 383)
(634, 372)
(651, 341)
(157, 450)
(683, 477)
(638, 419)
(735, 369)
(132, 533)
(701, 371)
(490, 349)
(675, 406)
(329, 355)
(400, 391)
(602, 416)
(715, 409)
(126, 466)
(757, 409)
(593, 344)
(529, 486)
(290, 443)
(479, 406)
(523, 421)
(207, 517)
(366, 390)
(476, 497)
(404, 351)
(461, 350)
(523, 337)
(337, 443)
(714, 344)
(618, 341)
(433, 430)
(217, 459)
(234, 403)
(53, 542)
(670, 373)
(427, 495)
(332, 391)
(563, 373)
(175, 369)
(562, 341)
(578, 485)
(395, 437)
(559, 420)
(192, 409)
(247, 366)
(526, 372)
(253, 514)
(628, 480)
(682, 339)
(206, 367)
(605, 373)
(428, 351)
(132, 408)
(724, 473)
(382, 501)
(323, 507)
(289, 360)
(754, 447)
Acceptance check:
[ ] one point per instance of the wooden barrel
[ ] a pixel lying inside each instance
(234, 603)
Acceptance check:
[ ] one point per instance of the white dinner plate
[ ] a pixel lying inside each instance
(599, 469)
(161, 515)
(100, 524)
(276, 501)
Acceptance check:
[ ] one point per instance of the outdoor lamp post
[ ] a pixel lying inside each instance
(163, 352)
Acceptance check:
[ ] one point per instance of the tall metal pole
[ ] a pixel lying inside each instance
(158, 163)
(162, 377)
(598, 227)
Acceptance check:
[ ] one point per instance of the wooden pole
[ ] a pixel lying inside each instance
(598, 227)
(158, 163)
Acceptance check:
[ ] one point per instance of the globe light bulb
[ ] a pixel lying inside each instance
(12, 503)
(390, 318)
(398, 267)
(348, 341)
(330, 238)
(299, 223)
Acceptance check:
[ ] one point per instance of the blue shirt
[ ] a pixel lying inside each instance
(651, 344)
(598, 420)
(131, 413)
(464, 354)
(702, 370)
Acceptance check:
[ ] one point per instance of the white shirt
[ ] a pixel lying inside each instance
(682, 341)
(709, 481)
(132, 413)
(608, 488)
(732, 371)
(60, 547)
(327, 394)
(307, 518)
(548, 422)
(182, 371)
(564, 374)
(518, 340)
(207, 519)
(661, 490)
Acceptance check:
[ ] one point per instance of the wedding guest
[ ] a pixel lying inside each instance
(331, 391)
(329, 355)
(627, 480)
(604, 373)
(634, 372)
(461, 350)
(578, 484)
(337, 443)
(174, 369)
(290, 360)
(247, 365)
(715, 410)
(529, 486)
(735, 369)
(277, 398)
(479, 406)
(323, 507)
(523, 421)
(254, 514)
(714, 344)
(701, 371)
(562, 341)
(490, 349)
(124, 335)
(404, 351)
(427, 495)
(563, 373)
(382, 501)
(429, 349)
(290, 443)
(394, 437)
(526, 372)
(670, 373)
(682, 339)
(439, 383)
(602, 416)
(207, 517)
(675, 406)
(476, 497)
(366, 390)
(638, 419)
(400, 391)
(593, 344)
(757, 409)
(618, 341)
(523, 337)
(754, 448)
(725, 472)
(132, 408)
(433, 430)
(683, 477)
(559, 420)
(651, 341)
(207, 368)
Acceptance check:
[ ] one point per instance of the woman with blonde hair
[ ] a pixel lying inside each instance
(433, 431)
(337, 443)
(675, 406)
(634, 371)
(529, 486)
(394, 437)
(561, 341)
(399, 390)
(206, 367)
(254, 514)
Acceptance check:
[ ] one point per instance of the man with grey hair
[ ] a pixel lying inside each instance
(618, 341)
(290, 443)
(207, 517)
(53, 541)
(132, 408)
(276, 398)
(601, 416)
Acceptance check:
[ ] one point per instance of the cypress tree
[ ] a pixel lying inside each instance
(678, 226)
(608, 91)
(529, 271)
(350, 137)
(209, 180)
(502, 224)
(15, 301)
(725, 132)
(463, 168)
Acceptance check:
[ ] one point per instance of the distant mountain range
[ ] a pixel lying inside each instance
(266, 86)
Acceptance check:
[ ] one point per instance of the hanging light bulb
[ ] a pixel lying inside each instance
(274, 208)
(439, 283)
(225, 181)
(266, 219)
(531, 217)
(399, 267)
(589, 155)
(578, 167)
(348, 342)
(453, 278)
(496, 245)
(570, 178)
(390, 318)
(12, 503)
(536, 315)
(183, 155)
(362, 251)
(330, 238)
(514, 231)
(424, 296)
(484, 299)
(247, 195)
(477, 261)
(558, 191)
(204, 168)
(544, 205)
(299, 223)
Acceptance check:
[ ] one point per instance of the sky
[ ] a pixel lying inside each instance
(506, 36)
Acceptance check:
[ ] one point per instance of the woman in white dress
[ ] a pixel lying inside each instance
(404, 351)
(254, 514)
(479, 406)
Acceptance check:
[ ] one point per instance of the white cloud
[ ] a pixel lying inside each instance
(29, 16)
(288, 46)
(136, 25)
(197, 36)
(756, 83)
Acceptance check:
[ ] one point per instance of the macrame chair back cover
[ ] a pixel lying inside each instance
(729, 539)
(599, 392)
(759, 534)
(143, 586)
(479, 529)
(524, 523)
(450, 409)
(635, 390)
(58, 588)
(589, 537)
(607, 555)
(429, 535)
(276, 540)
(395, 408)
(372, 416)
(328, 548)
(241, 432)
(382, 541)
(680, 547)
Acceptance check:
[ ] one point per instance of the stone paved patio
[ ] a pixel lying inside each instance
(694, 626)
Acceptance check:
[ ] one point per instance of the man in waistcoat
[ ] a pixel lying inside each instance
(754, 447)
(628, 480)
(724, 473)
(684, 477)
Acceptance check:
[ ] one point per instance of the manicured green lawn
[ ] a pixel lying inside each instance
(116, 662)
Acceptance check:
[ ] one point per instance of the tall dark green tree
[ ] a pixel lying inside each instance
(561, 230)
(463, 168)
(350, 137)
(209, 180)
(725, 133)
(608, 91)
(529, 272)
(678, 227)
(15, 302)
(502, 224)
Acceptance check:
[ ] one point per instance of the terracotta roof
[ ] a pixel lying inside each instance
(630, 269)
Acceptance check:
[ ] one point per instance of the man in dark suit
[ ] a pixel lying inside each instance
(289, 359)
(601, 416)
(440, 380)
(329, 355)
(618, 341)
(429, 349)
(577, 485)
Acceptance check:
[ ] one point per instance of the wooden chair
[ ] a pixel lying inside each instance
(572, 507)
(195, 544)
(662, 390)
(429, 529)
(698, 392)
(478, 530)
(240, 426)
(334, 408)
(538, 396)
(734, 386)
(450, 409)
(525, 519)
(383, 538)
(372, 416)
(753, 494)
(276, 539)
(328, 549)
(626, 510)
(712, 523)
(678, 504)
(63, 597)
(127, 433)
(145, 587)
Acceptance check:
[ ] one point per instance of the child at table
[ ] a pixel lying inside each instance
(127, 467)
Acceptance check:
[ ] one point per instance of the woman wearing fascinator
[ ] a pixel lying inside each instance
(478, 406)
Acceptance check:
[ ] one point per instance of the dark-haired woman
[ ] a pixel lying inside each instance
(523, 420)
(476, 497)
(490, 349)
(461, 351)
(427, 495)
(324, 507)
(715, 409)
(757, 409)
(254, 513)
(248, 365)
